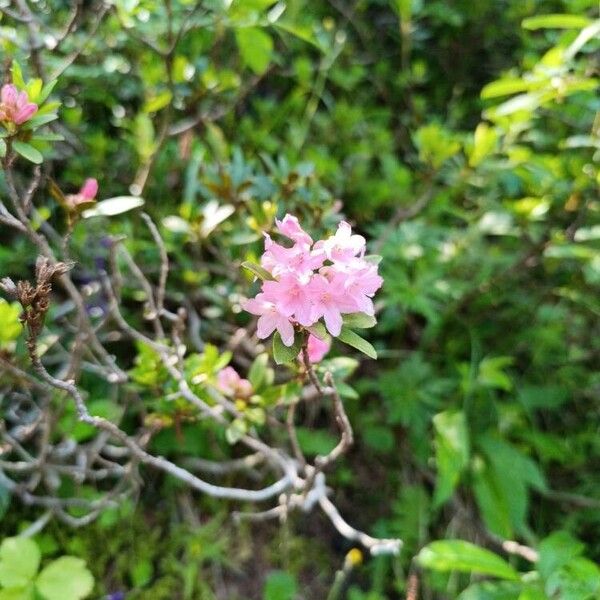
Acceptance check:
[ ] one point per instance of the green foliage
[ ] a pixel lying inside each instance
(462, 138)
(66, 578)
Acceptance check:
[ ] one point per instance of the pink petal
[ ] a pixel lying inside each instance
(286, 331)
(89, 189)
(25, 113)
(266, 325)
(8, 94)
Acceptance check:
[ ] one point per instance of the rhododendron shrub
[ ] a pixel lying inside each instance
(314, 287)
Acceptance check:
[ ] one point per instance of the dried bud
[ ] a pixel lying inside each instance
(7, 285)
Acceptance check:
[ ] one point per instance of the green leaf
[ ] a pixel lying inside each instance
(280, 585)
(353, 339)
(504, 87)
(26, 593)
(2, 148)
(158, 102)
(46, 91)
(256, 48)
(285, 354)
(258, 271)
(556, 551)
(318, 330)
(39, 120)
(315, 441)
(484, 142)
(10, 326)
(458, 555)
(451, 452)
(28, 152)
(359, 321)
(66, 578)
(556, 21)
(114, 206)
(19, 562)
(258, 370)
(17, 75)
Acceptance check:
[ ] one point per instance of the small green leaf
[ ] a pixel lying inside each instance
(451, 452)
(28, 152)
(458, 555)
(504, 87)
(17, 75)
(25, 593)
(353, 339)
(66, 578)
(258, 271)
(19, 562)
(556, 21)
(258, 370)
(158, 102)
(285, 354)
(39, 120)
(256, 48)
(484, 142)
(46, 91)
(359, 321)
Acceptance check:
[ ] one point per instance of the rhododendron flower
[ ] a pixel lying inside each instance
(231, 384)
(290, 227)
(15, 106)
(270, 319)
(85, 196)
(344, 245)
(313, 281)
(317, 348)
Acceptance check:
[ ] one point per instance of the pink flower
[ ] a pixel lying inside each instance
(327, 301)
(15, 106)
(231, 384)
(85, 197)
(292, 297)
(317, 348)
(290, 227)
(298, 259)
(324, 280)
(359, 281)
(89, 189)
(344, 245)
(270, 319)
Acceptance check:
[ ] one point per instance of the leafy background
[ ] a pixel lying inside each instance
(462, 139)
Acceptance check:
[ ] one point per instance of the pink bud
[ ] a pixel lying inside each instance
(25, 113)
(317, 348)
(8, 94)
(89, 189)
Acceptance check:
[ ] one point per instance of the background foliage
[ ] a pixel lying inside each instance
(462, 139)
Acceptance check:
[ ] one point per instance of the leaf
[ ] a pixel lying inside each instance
(484, 142)
(10, 325)
(25, 593)
(39, 120)
(353, 339)
(280, 585)
(66, 578)
(19, 562)
(315, 441)
(504, 87)
(28, 152)
(158, 102)
(114, 206)
(458, 555)
(17, 75)
(556, 21)
(285, 354)
(46, 91)
(556, 551)
(318, 330)
(359, 321)
(256, 48)
(2, 148)
(258, 370)
(258, 271)
(451, 452)
(492, 372)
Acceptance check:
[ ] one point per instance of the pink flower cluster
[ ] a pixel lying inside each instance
(15, 106)
(313, 280)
